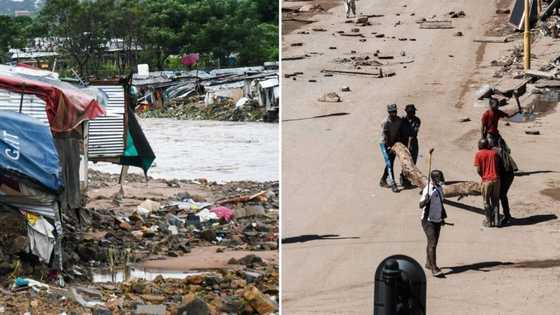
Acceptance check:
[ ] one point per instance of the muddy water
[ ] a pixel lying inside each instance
(218, 151)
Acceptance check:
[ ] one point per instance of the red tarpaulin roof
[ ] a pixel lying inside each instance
(67, 106)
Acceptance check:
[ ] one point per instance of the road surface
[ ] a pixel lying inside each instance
(339, 224)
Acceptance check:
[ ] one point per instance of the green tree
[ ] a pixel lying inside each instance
(80, 26)
(15, 34)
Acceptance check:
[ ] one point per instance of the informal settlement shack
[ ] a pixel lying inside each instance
(48, 133)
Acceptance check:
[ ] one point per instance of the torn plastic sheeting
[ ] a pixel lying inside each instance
(148, 206)
(25, 282)
(79, 298)
(205, 215)
(41, 237)
(27, 149)
(66, 106)
(223, 213)
(190, 204)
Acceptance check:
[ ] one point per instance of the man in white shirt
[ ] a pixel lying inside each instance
(433, 216)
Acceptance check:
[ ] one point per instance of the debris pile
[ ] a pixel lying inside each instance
(193, 109)
(235, 222)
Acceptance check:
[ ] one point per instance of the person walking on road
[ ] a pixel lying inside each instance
(433, 217)
(506, 173)
(411, 127)
(486, 163)
(350, 8)
(391, 130)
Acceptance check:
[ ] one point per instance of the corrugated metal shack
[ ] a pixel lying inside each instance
(258, 83)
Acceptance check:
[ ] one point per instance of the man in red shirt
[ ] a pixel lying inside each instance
(486, 163)
(490, 120)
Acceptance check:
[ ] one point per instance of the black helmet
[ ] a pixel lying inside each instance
(392, 108)
(482, 144)
(437, 176)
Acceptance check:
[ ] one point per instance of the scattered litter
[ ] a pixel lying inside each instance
(532, 132)
(361, 20)
(379, 74)
(345, 89)
(296, 44)
(205, 215)
(293, 57)
(223, 213)
(330, 97)
(491, 39)
(455, 15)
(436, 25)
(86, 297)
(464, 119)
(147, 206)
(458, 34)
(293, 74)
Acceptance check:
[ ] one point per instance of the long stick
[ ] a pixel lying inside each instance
(430, 168)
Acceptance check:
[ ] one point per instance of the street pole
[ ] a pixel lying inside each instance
(527, 38)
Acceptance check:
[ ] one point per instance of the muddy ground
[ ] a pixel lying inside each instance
(226, 266)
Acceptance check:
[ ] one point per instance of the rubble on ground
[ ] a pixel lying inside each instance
(191, 109)
(129, 230)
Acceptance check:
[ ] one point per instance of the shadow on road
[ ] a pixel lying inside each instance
(320, 116)
(481, 266)
(314, 237)
(464, 206)
(528, 173)
(492, 265)
(534, 219)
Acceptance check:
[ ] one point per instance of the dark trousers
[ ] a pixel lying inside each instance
(431, 230)
(414, 149)
(505, 183)
(392, 157)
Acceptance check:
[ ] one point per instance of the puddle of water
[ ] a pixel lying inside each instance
(216, 150)
(523, 117)
(541, 105)
(105, 276)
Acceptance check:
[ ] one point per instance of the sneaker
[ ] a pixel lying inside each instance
(395, 189)
(384, 184)
(485, 223)
(428, 266)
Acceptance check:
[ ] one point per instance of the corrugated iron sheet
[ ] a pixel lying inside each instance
(106, 134)
(31, 105)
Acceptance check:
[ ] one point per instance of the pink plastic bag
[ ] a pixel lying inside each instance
(223, 213)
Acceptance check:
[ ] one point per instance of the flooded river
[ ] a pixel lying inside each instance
(216, 150)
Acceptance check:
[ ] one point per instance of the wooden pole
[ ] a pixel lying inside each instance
(527, 38)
